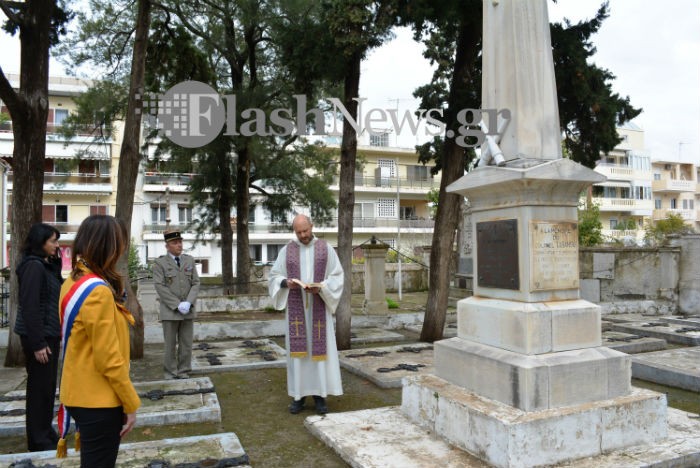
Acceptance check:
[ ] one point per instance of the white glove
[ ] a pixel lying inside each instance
(184, 307)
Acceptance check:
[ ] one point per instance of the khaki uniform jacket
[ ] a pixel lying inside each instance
(175, 285)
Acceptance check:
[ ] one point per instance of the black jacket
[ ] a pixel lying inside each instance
(39, 291)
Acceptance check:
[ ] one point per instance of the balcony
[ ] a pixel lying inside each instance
(673, 185)
(620, 234)
(687, 215)
(381, 224)
(615, 172)
(632, 205)
(61, 178)
(372, 183)
(159, 228)
(159, 181)
(53, 131)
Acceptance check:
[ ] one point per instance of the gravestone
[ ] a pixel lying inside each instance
(375, 290)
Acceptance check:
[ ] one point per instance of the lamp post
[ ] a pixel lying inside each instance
(398, 224)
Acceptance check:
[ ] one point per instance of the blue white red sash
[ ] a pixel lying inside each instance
(70, 306)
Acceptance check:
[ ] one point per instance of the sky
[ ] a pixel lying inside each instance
(652, 48)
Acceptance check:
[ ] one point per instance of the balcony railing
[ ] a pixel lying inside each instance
(159, 228)
(71, 178)
(687, 215)
(622, 204)
(53, 130)
(360, 223)
(673, 185)
(167, 178)
(390, 182)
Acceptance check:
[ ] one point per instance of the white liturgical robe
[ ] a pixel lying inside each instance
(304, 375)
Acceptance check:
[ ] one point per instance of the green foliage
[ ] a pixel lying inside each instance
(657, 233)
(134, 263)
(589, 111)
(433, 196)
(627, 224)
(589, 226)
(392, 304)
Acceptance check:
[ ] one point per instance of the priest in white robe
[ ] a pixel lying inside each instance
(312, 356)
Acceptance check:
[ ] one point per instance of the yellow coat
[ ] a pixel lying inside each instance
(96, 364)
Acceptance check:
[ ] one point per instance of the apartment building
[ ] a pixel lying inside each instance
(625, 199)
(676, 191)
(391, 204)
(78, 173)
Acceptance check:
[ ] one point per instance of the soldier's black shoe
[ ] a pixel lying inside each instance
(297, 406)
(320, 403)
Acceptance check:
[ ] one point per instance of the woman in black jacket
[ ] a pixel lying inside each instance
(39, 328)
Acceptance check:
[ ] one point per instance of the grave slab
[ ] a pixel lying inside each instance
(386, 366)
(164, 402)
(386, 438)
(674, 367)
(632, 344)
(690, 321)
(625, 318)
(188, 451)
(450, 330)
(672, 333)
(374, 335)
(221, 356)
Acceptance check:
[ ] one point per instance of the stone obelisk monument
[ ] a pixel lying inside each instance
(526, 382)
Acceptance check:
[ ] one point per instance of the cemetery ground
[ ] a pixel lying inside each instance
(254, 402)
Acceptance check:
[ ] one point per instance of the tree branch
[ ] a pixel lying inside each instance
(7, 6)
(8, 95)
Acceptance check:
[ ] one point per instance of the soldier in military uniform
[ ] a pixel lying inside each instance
(177, 285)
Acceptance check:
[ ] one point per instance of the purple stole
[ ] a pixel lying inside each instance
(295, 304)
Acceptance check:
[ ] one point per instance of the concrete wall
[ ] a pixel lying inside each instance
(646, 276)
(414, 277)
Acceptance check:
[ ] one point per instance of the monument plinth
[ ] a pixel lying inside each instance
(527, 367)
(375, 290)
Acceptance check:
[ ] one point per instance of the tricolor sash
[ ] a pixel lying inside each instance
(295, 305)
(70, 306)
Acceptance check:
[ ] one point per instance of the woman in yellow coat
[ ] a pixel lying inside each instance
(95, 385)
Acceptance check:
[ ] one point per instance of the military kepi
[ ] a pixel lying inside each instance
(171, 235)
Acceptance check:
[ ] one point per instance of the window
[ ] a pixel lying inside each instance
(417, 173)
(158, 214)
(386, 208)
(278, 217)
(59, 116)
(54, 213)
(613, 223)
(389, 164)
(657, 176)
(674, 204)
(251, 214)
(363, 210)
(625, 192)
(62, 213)
(691, 204)
(657, 203)
(184, 214)
(273, 250)
(104, 167)
(408, 212)
(98, 210)
(255, 252)
(685, 204)
(381, 139)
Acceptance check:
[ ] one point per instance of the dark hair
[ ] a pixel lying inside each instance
(38, 234)
(100, 242)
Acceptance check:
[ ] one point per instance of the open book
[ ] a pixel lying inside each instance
(306, 285)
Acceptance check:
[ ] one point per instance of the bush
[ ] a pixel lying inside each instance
(392, 304)
(589, 226)
(656, 233)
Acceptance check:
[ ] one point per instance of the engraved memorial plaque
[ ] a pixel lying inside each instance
(554, 259)
(497, 254)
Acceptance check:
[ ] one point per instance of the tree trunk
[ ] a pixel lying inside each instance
(346, 202)
(225, 205)
(448, 210)
(129, 159)
(29, 110)
(242, 211)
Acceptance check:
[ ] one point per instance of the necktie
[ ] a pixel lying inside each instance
(177, 260)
